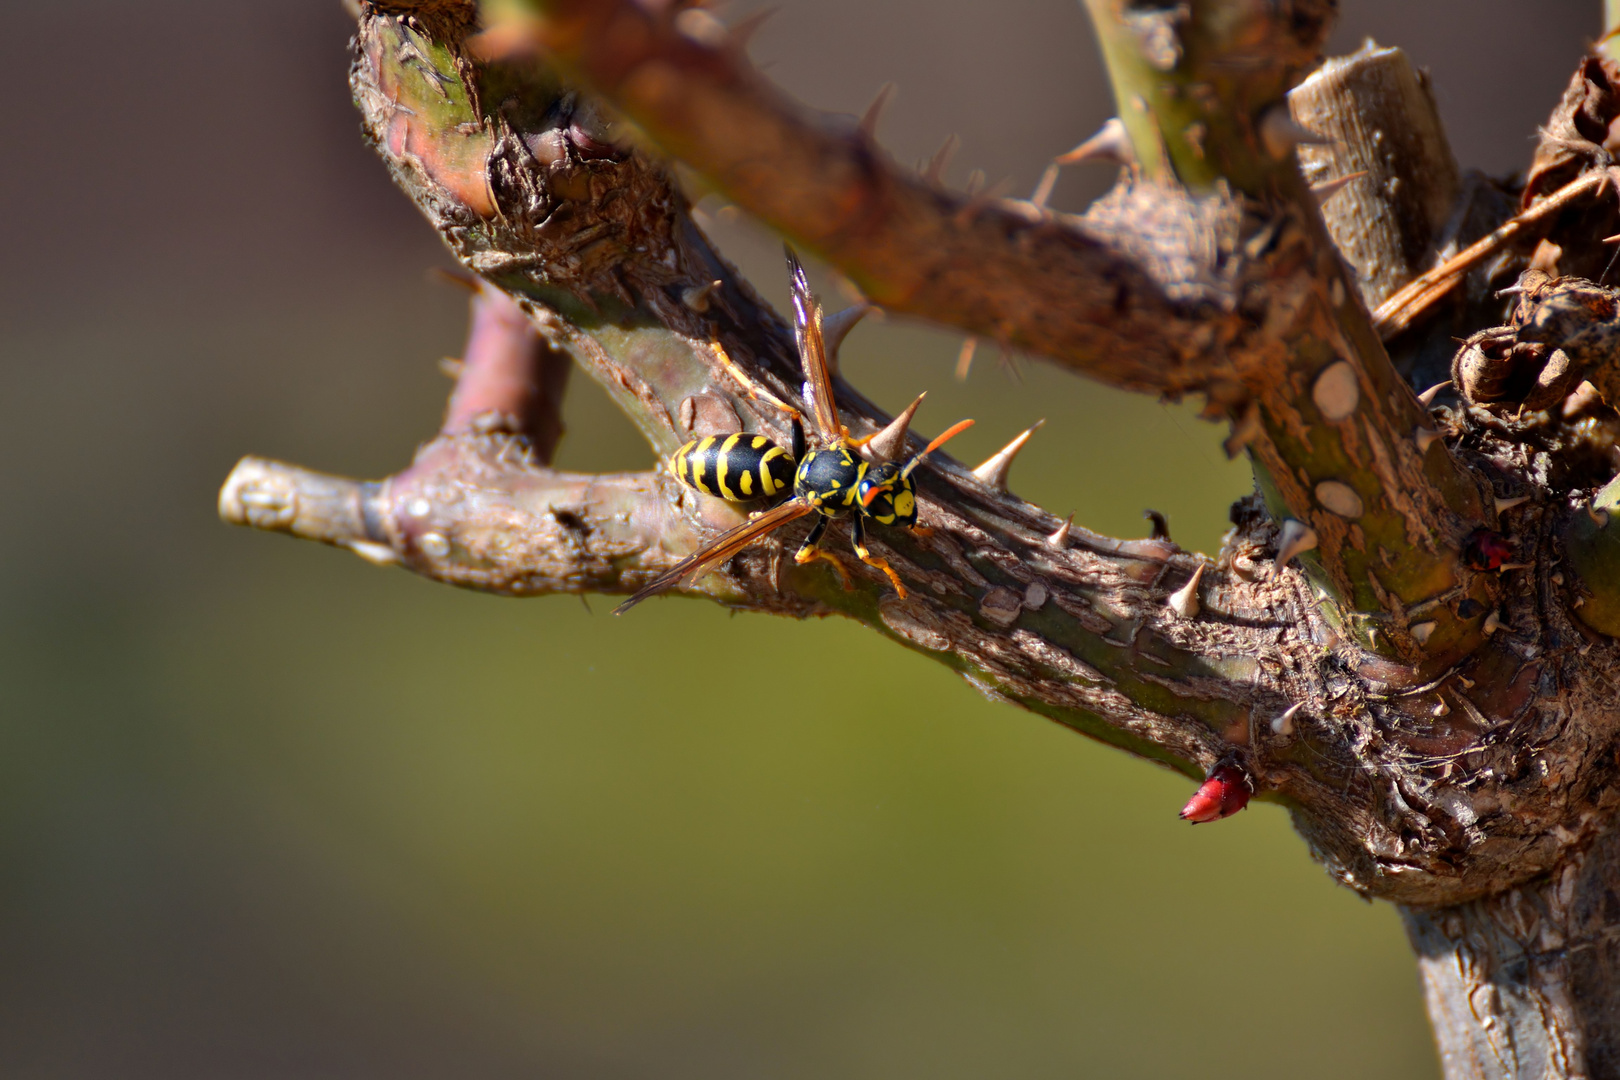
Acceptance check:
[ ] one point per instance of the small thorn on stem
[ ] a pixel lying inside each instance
(1060, 538)
(1493, 623)
(697, 296)
(741, 33)
(1043, 188)
(1111, 143)
(1244, 430)
(995, 469)
(1424, 438)
(935, 171)
(1296, 537)
(890, 443)
(1184, 601)
(1508, 504)
(1224, 793)
(1281, 132)
(975, 181)
(874, 111)
(1426, 399)
(1329, 188)
(1283, 722)
(964, 358)
(836, 327)
(1161, 525)
(1421, 631)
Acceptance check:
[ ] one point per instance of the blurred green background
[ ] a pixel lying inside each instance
(267, 811)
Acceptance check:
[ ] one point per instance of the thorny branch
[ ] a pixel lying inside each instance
(1437, 737)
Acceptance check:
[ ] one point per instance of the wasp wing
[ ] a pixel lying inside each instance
(813, 353)
(719, 550)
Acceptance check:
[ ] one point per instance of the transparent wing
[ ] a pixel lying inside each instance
(721, 549)
(813, 353)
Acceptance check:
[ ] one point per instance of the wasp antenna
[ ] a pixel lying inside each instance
(1297, 537)
(996, 469)
(1329, 188)
(874, 111)
(950, 433)
(1281, 132)
(1060, 538)
(835, 327)
(934, 172)
(890, 443)
(1111, 143)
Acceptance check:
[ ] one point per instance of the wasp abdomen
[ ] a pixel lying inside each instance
(736, 468)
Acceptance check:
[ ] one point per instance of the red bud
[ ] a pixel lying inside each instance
(1485, 550)
(1225, 793)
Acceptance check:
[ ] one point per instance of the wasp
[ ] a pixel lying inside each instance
(829, 479)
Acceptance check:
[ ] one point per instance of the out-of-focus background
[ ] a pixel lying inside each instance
(268, 811)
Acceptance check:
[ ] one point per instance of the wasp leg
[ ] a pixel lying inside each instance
(752, 388)
(872, 560)
(809, 551)
(921, 531)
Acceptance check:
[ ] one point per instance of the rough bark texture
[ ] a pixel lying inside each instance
(1411, 676)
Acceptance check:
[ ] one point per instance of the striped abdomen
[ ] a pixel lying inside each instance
(736, 468)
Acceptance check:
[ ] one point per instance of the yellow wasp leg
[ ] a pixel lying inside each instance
(752, 388)
(921, 531)
(809, 552)
(873, 561)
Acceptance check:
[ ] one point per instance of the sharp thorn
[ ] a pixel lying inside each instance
(742, 32)
(934, 173)
(1184, 601)
(874, 111)
(975, 181)
(964, 358)
(1043, 189)
(1281, 132)
(1329, 188)
(1508, 504)
(1426, 398)
(697, 296)
(1493, 623)
(1283, 722)
(1515, 290)
(1244, 430)
(1615, 239)
(998, 466)
(1060, 538)
(1110, 143)
(1424, 438)
(1422, 631)
(890, 443)
(702, 27)
(1296, 537)
(836, 327)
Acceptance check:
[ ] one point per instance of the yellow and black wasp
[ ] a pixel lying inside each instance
(829, 480)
